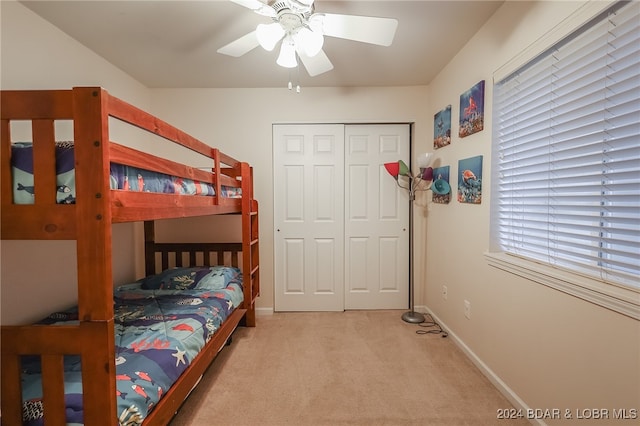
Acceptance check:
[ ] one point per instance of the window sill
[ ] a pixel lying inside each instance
(625, 301)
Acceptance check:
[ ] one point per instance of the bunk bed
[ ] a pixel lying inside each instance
(89, 339)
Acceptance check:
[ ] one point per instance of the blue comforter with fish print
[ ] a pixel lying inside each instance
(122, 177)
(161, 324)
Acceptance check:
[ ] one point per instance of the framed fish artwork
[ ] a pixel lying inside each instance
(442, 128)
(472, 110)
(470, 180)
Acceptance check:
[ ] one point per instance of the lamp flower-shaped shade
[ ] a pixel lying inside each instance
(440, 187)
(424, 160)
(393, 169)
(398, 168)
(426, 173)
(404, 169)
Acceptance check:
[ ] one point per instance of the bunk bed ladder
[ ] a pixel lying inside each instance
(250, 246)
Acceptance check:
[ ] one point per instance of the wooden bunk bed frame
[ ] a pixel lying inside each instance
(89, 223)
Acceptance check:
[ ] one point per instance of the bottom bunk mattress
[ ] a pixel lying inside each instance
(161, 324)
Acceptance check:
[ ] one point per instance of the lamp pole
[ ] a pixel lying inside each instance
(400, 169)
(412, 316)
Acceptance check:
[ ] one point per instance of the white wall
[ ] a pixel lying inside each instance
(551, 349)
(37, 55)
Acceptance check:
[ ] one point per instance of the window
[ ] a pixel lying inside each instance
(566, 183)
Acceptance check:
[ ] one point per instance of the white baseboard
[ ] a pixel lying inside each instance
(264, 311)
(502, 387)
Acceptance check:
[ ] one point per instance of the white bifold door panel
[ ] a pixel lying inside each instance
(309, 217)
(376, 218)
(341, 224)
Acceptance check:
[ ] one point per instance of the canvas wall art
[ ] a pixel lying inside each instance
(442, 128)
(472, 110)
(470, 180)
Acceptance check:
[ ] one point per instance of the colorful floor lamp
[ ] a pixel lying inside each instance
(414, 183)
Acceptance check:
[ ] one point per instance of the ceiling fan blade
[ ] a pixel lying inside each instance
(366, 29)
(257, 6)
(241, 46)
(317, 64)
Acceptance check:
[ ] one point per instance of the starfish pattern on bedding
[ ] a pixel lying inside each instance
(179, 356)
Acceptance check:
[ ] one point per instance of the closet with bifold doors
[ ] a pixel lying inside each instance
(341, 224)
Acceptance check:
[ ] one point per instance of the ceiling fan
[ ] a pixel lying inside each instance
(302, 32)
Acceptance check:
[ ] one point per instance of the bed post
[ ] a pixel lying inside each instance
(149, 247)
(216, 172)
(93, 246)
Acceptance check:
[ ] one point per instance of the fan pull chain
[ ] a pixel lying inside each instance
(290, 84)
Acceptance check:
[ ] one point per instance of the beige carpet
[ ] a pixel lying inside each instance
(347, 368)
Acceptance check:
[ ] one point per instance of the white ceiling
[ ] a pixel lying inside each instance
(173, 44)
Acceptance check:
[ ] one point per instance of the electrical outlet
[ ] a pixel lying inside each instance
(444, 292)
(467, 309)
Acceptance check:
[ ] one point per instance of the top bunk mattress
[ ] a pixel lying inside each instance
(122, 177)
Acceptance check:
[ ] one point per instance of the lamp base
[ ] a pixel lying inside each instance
(413, 317)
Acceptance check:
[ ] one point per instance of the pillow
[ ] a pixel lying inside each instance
(199, 277)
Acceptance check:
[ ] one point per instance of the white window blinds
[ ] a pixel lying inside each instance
(567, 135)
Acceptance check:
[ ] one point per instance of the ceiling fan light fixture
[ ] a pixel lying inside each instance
(310, 41)
(302, 32)
(287, 57)
(269, 35)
